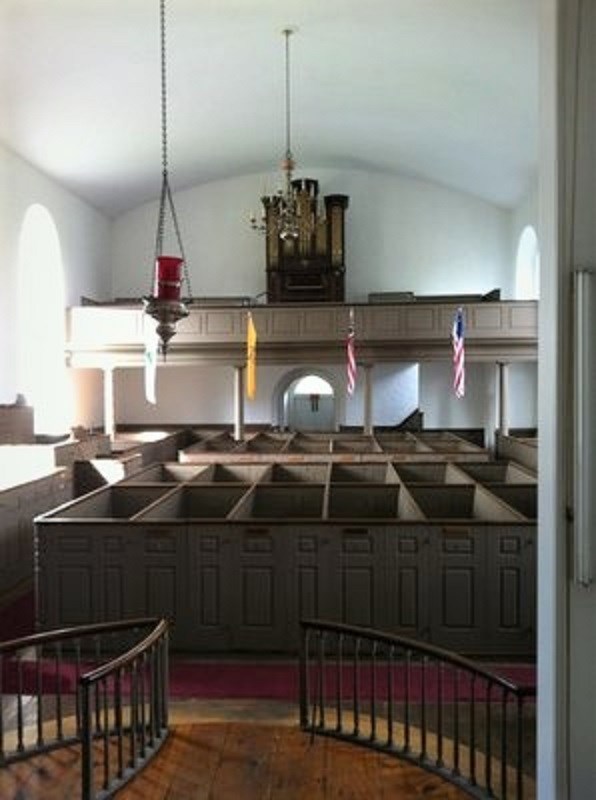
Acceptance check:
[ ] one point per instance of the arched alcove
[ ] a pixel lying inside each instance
(41, 322)
(306, 399)
(527, 266)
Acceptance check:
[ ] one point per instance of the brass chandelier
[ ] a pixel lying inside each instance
(291, 212)
(165, 304)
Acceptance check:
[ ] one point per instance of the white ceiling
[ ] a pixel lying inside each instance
(440, 89)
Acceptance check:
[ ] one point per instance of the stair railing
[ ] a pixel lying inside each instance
(442, 712)
(94, 685)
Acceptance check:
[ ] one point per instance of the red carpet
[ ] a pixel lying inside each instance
(279, 681)
(271, 681)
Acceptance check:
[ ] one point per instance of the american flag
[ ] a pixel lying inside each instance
(459, 369)
(351, 354)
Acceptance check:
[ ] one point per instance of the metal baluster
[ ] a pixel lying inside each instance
(407, 703)
(97, 702)
(303, 676)
(2, 754)
(20, 745)
(58, 658)
(504, 699)
(86, 745)
(439, 714)
(313, 700)
(373, 693)
(456, 722)
(390, 696)
(142, 665)
(520, 747)
(133, 715)
(165, 692)
(356, 686)
(118, 720)
(38, 659)
(321, 686)
(473, 731)
(77, 646)
(152, 731)
(106, 734)
(488, 737)
(423, 667)
(339, 683)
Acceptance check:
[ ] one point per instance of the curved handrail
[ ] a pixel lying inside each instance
(405, 643)
(415, 701)
(126, 658)
(118, 705)
(75, 632)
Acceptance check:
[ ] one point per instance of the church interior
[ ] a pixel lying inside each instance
(282, 321)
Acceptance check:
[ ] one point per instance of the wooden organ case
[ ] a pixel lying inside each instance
(311, 267)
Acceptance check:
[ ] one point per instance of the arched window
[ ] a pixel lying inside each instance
(41, 329)
(312, 384)
(527, 266)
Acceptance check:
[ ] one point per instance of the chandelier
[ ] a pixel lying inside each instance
(165, 305)
(291, 212)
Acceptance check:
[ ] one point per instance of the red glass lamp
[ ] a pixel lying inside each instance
(165, 304)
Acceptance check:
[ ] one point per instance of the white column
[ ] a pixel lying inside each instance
(238, 403)
(368, 400)
(503, 398)
(109, 425)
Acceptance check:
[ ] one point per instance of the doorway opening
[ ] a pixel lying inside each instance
(307, 401)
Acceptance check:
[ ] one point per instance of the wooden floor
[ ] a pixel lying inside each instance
(229, 761)
(242, 749)
(238, 761)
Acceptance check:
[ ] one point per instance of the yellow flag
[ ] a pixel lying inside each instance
(251, 359)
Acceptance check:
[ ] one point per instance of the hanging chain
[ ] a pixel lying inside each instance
(166, 198)
(287, 34)
(164, 88)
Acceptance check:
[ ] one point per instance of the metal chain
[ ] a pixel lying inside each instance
(164, 88)
(166, 193)
(287, 34)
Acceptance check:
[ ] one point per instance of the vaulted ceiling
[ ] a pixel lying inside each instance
(444, 90)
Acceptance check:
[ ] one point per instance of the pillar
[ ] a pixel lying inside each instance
(238, 403)
(109, 425)
(503, 398)
(368, 400)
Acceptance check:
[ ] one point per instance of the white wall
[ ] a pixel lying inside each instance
(479, 407)
(205, 394)
(442, 409)
(523, 395)
(402, 234)
(84, 236)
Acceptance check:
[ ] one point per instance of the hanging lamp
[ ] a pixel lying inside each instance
(291, 212)
(165, 304)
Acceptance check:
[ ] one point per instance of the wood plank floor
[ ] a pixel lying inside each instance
(230, 760)
(238, 761)
(220, 749)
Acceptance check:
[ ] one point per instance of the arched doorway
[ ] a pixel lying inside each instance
(306, 400)
(41, 323)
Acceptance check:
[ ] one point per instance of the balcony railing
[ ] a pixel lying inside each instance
(114, 335)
